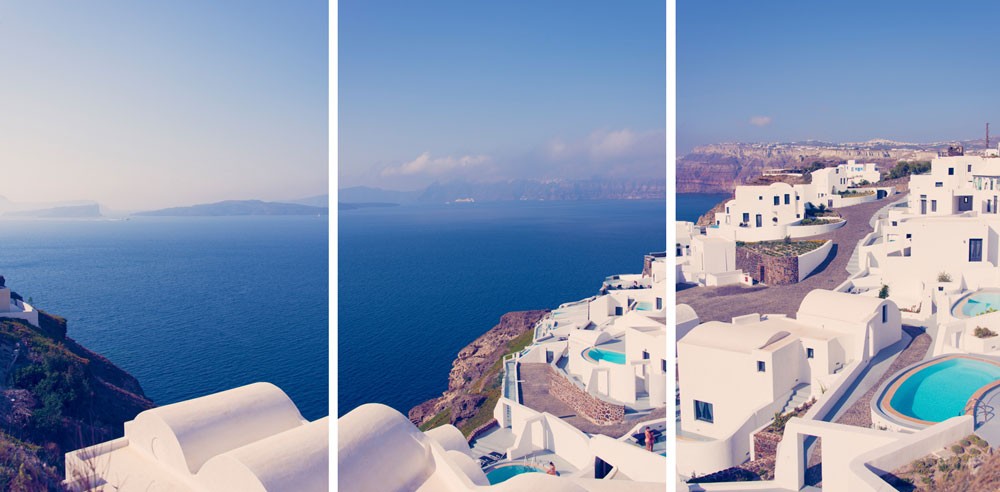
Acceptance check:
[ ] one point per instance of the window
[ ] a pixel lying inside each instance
(970, 168)
(746, 217)
(659, 303)
(975, 250)
(951, 171)
(933, 205)
(909, 236)
(761, 367)
(663, 365)
(777, 200)
(618, 311)
(894, 223)
(788, 199)
(760, 197)
(885, 313)
(798, 216)
(645, 355)
(938, 184)
(727, 210)
(704, 412)
(810, 353)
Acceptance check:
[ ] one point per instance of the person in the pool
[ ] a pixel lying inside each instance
(551, 470)
(649, 439)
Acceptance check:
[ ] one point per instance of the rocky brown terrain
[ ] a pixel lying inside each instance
(475, 372)
(721, 167)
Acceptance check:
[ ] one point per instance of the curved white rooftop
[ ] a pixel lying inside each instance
(739, 338)
(185, 435)
(685, 314)
(839, 305)
(251, 438)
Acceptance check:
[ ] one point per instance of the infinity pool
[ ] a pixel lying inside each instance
(609, 355)
(506, 472)
(939, 391)
(977, 303)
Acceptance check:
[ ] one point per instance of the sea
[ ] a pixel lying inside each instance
(690, 206)
(417, 283)
(189, 305)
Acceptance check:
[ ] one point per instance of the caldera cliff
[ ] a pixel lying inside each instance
(474, 381)
(58, 396)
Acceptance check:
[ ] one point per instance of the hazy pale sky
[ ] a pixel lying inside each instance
(838, 71)
(439, 90)
(144, 105)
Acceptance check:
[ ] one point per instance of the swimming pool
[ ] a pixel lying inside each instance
(939, 389)
(644, 306)
(596, 354)
(977, 303)
(506, 472)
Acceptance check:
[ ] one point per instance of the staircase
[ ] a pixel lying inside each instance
(854, 264)
(800, 395)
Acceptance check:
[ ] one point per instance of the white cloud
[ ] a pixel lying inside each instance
(427, 165)
(760, 120)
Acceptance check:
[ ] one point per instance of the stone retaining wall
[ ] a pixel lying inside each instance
(777, 270)
(589, 407)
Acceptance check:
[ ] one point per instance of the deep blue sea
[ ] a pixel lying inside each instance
(690, 206)
(418, 283)
(189, 306)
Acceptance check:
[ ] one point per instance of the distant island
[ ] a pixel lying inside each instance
(460, 191)
(237, 208)
(70, 212)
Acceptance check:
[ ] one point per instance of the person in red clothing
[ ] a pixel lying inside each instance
(552, 469)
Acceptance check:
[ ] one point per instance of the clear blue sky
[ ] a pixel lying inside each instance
(441, 90)
(835, 71)
(153, 104)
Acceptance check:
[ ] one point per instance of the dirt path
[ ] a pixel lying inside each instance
(724, 303)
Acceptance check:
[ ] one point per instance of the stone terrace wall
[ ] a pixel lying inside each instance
(593, 409)
(777, 270)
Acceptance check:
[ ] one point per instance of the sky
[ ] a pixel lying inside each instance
(835, 71)
(485, 91)
(142, 105)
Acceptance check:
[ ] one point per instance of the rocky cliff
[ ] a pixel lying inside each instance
(474, 381)
(721, 167)
(57, 396)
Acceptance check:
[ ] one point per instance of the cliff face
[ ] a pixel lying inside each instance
(474, 384)
(721, 167)
(57, 396)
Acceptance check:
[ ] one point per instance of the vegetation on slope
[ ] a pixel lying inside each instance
(56, 397)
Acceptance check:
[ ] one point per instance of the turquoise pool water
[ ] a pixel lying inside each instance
(644, 306)
(940, 391)
(608, 355)
(505, 473)
(980, 302)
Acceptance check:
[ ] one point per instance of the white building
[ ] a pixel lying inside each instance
(250, 438)
(759, 213)
(734, 376)
(705, 260)
(765, 213)
(11, 307)
(380, 450)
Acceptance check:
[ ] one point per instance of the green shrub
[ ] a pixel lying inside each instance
(957, 449)
(883, 293)
(981, 332)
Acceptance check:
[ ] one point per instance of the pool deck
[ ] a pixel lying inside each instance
(855, 408)
(535, 395)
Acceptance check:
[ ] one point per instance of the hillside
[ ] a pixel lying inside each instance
(57, 396)
(720, 167)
